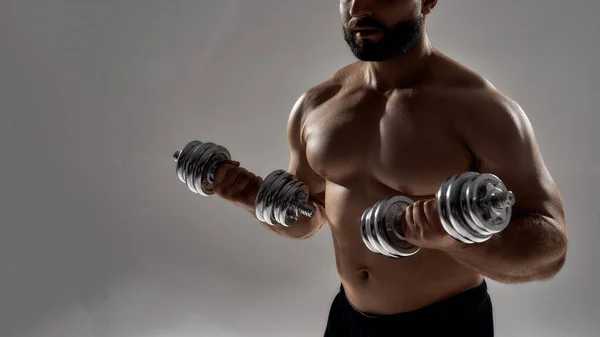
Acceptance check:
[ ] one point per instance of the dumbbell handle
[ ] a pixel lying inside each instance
(306, 209)
(499, 200)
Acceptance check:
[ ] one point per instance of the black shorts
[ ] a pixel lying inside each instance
(466, 314)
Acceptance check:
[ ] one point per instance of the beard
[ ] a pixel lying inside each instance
(393, 43)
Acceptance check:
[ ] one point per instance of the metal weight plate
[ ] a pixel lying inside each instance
(366, 227)
(288, 213)
(466, 203)
(453, 203)
(393, 210)
(259, 202)
(364, 230)
(283, 200)
(198, 162)
(378, 229)
(271, 197)
(444, 196)
(284, 206)
(377, 225)
(463, 218)
(271, 200)
(485, 214)
(210, 161)
(182, 158)
(198, 158)
(460, 219)
(274, 198)
(299, 196)
(372, 229)
(290, 198)
(279, 198)
(190, 165)
(302, 203)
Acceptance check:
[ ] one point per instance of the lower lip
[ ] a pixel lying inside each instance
(366, 34)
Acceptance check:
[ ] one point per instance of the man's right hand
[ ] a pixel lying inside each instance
(236, 184)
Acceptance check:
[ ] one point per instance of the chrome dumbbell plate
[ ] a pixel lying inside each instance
(380, 228)
(473, 207)
(197, 164)
(281, 199)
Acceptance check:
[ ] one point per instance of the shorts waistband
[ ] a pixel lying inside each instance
(466, 301)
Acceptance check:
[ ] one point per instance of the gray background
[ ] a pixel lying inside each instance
(98, 236)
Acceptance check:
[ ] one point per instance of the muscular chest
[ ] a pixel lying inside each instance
(393, 140)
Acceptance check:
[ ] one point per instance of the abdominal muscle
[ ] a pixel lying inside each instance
(381, 285)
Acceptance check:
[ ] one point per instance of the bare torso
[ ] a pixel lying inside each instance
(369, 145)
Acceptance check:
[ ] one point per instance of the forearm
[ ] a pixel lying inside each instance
(531, 248)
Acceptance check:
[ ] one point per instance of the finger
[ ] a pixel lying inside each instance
(230, 183)
(232, 162)
(420, 218)
(240, 187)
(432, 215)
(254, 186)
(221, 174)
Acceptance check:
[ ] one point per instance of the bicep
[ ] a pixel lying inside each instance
(502, 139)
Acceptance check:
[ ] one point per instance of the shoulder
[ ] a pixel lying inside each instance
(309, 100)
(471, 108)
(489, 108)
(316, 95)
(468, 96)
(494, 128)
(477, 113)
(449, 73)
(319, 94)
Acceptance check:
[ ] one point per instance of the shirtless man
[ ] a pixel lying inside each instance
(401, 120)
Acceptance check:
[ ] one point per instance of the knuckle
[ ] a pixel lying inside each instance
(242, 182)
(224, 167)
(222, 172)
(229, 171)
(243, 173)
(431, 204)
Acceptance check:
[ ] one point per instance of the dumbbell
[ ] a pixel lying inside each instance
(472, 207)
(281, 197)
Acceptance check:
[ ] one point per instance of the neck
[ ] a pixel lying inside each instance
(393, 73)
